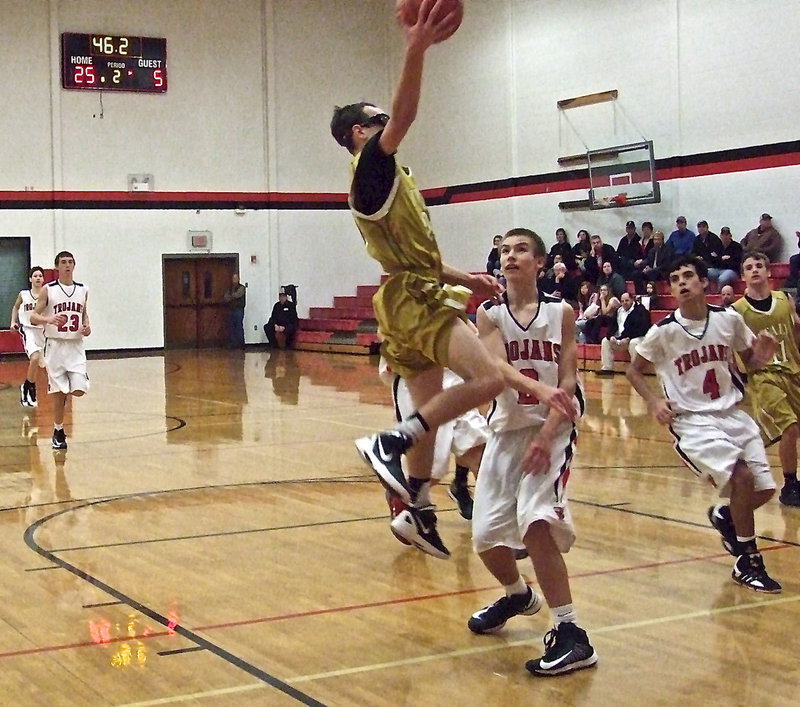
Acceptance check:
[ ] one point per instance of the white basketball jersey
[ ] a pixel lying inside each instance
(696, 368)
(534, 350)
(25, 309)
(69, 300)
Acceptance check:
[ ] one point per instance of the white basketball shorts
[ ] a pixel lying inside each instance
(710, 444)
(507, 501)
(33, 341)
(66, 366)
(457, 436)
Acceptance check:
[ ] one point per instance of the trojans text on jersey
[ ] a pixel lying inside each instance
(67, 307)
(532, 350)
(706, 353)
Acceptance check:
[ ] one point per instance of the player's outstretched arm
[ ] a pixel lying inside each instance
(480, 283)
(658, 406)
(419, 38)
(492, 339)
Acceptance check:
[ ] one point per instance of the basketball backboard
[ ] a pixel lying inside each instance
(622, 175)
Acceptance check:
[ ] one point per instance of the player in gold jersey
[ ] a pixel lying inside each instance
(775, 389)
(421, 307)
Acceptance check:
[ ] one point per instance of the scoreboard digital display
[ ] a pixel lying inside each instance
(113, 63)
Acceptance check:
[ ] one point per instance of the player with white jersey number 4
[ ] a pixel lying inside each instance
(691, 350)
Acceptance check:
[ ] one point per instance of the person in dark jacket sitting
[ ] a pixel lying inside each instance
(725, 266)
(599, 253)
(283, 319)
(632, 323)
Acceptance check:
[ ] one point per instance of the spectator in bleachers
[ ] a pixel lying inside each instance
(724, 268)
(647, 236)
(658, 259)
(560, 284)
(764, 239)
(630, 325)
(599, 253)
(649, 299)
(629, 250)
(727, 295)
(707, 246)
(615, 281)
(794, 267)
(588, 308)
(563, 248)
(581, 248)
(606, 317)
(493, 261)
(681, 239)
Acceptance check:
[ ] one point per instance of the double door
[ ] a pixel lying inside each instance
(195, 314)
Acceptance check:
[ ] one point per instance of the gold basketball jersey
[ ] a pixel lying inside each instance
(780, 322)
(399, 234)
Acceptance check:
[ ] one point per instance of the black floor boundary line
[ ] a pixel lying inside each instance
(181, 423)
(355, 478)
(101, 603)
(228, 533)
(176, 651)
(198, 640)
(656, 516)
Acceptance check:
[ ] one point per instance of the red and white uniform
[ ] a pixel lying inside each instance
(507, 501)
(32, 334)
(64, 353)
(693, 361)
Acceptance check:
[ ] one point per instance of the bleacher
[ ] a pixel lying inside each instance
(349, 325)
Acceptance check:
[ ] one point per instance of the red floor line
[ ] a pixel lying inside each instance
(356, 607)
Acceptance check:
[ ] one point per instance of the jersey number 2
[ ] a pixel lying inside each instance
(528, 398)
(72, 323)
(710, 385)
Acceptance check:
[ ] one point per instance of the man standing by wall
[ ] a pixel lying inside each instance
(236, 297)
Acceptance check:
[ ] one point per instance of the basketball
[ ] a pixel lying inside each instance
(406, 12)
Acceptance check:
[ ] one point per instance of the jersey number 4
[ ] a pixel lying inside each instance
(72, 324)
(710, 384)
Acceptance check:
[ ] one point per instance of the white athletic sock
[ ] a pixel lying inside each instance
(564, 614)
(58, 427)
(519, 587)
(414, 426)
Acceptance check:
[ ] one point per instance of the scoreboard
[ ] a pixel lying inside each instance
(113, 63)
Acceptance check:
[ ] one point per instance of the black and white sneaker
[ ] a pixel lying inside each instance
(790, 494)
(59, 439)
(749, 571)
(24, 399)
(459, 492)
(493, 617)
(418, 526)
(383, 453)
(32, 395)
(720, 519)
(566, 648)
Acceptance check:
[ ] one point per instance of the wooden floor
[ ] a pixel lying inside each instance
(212, 538)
